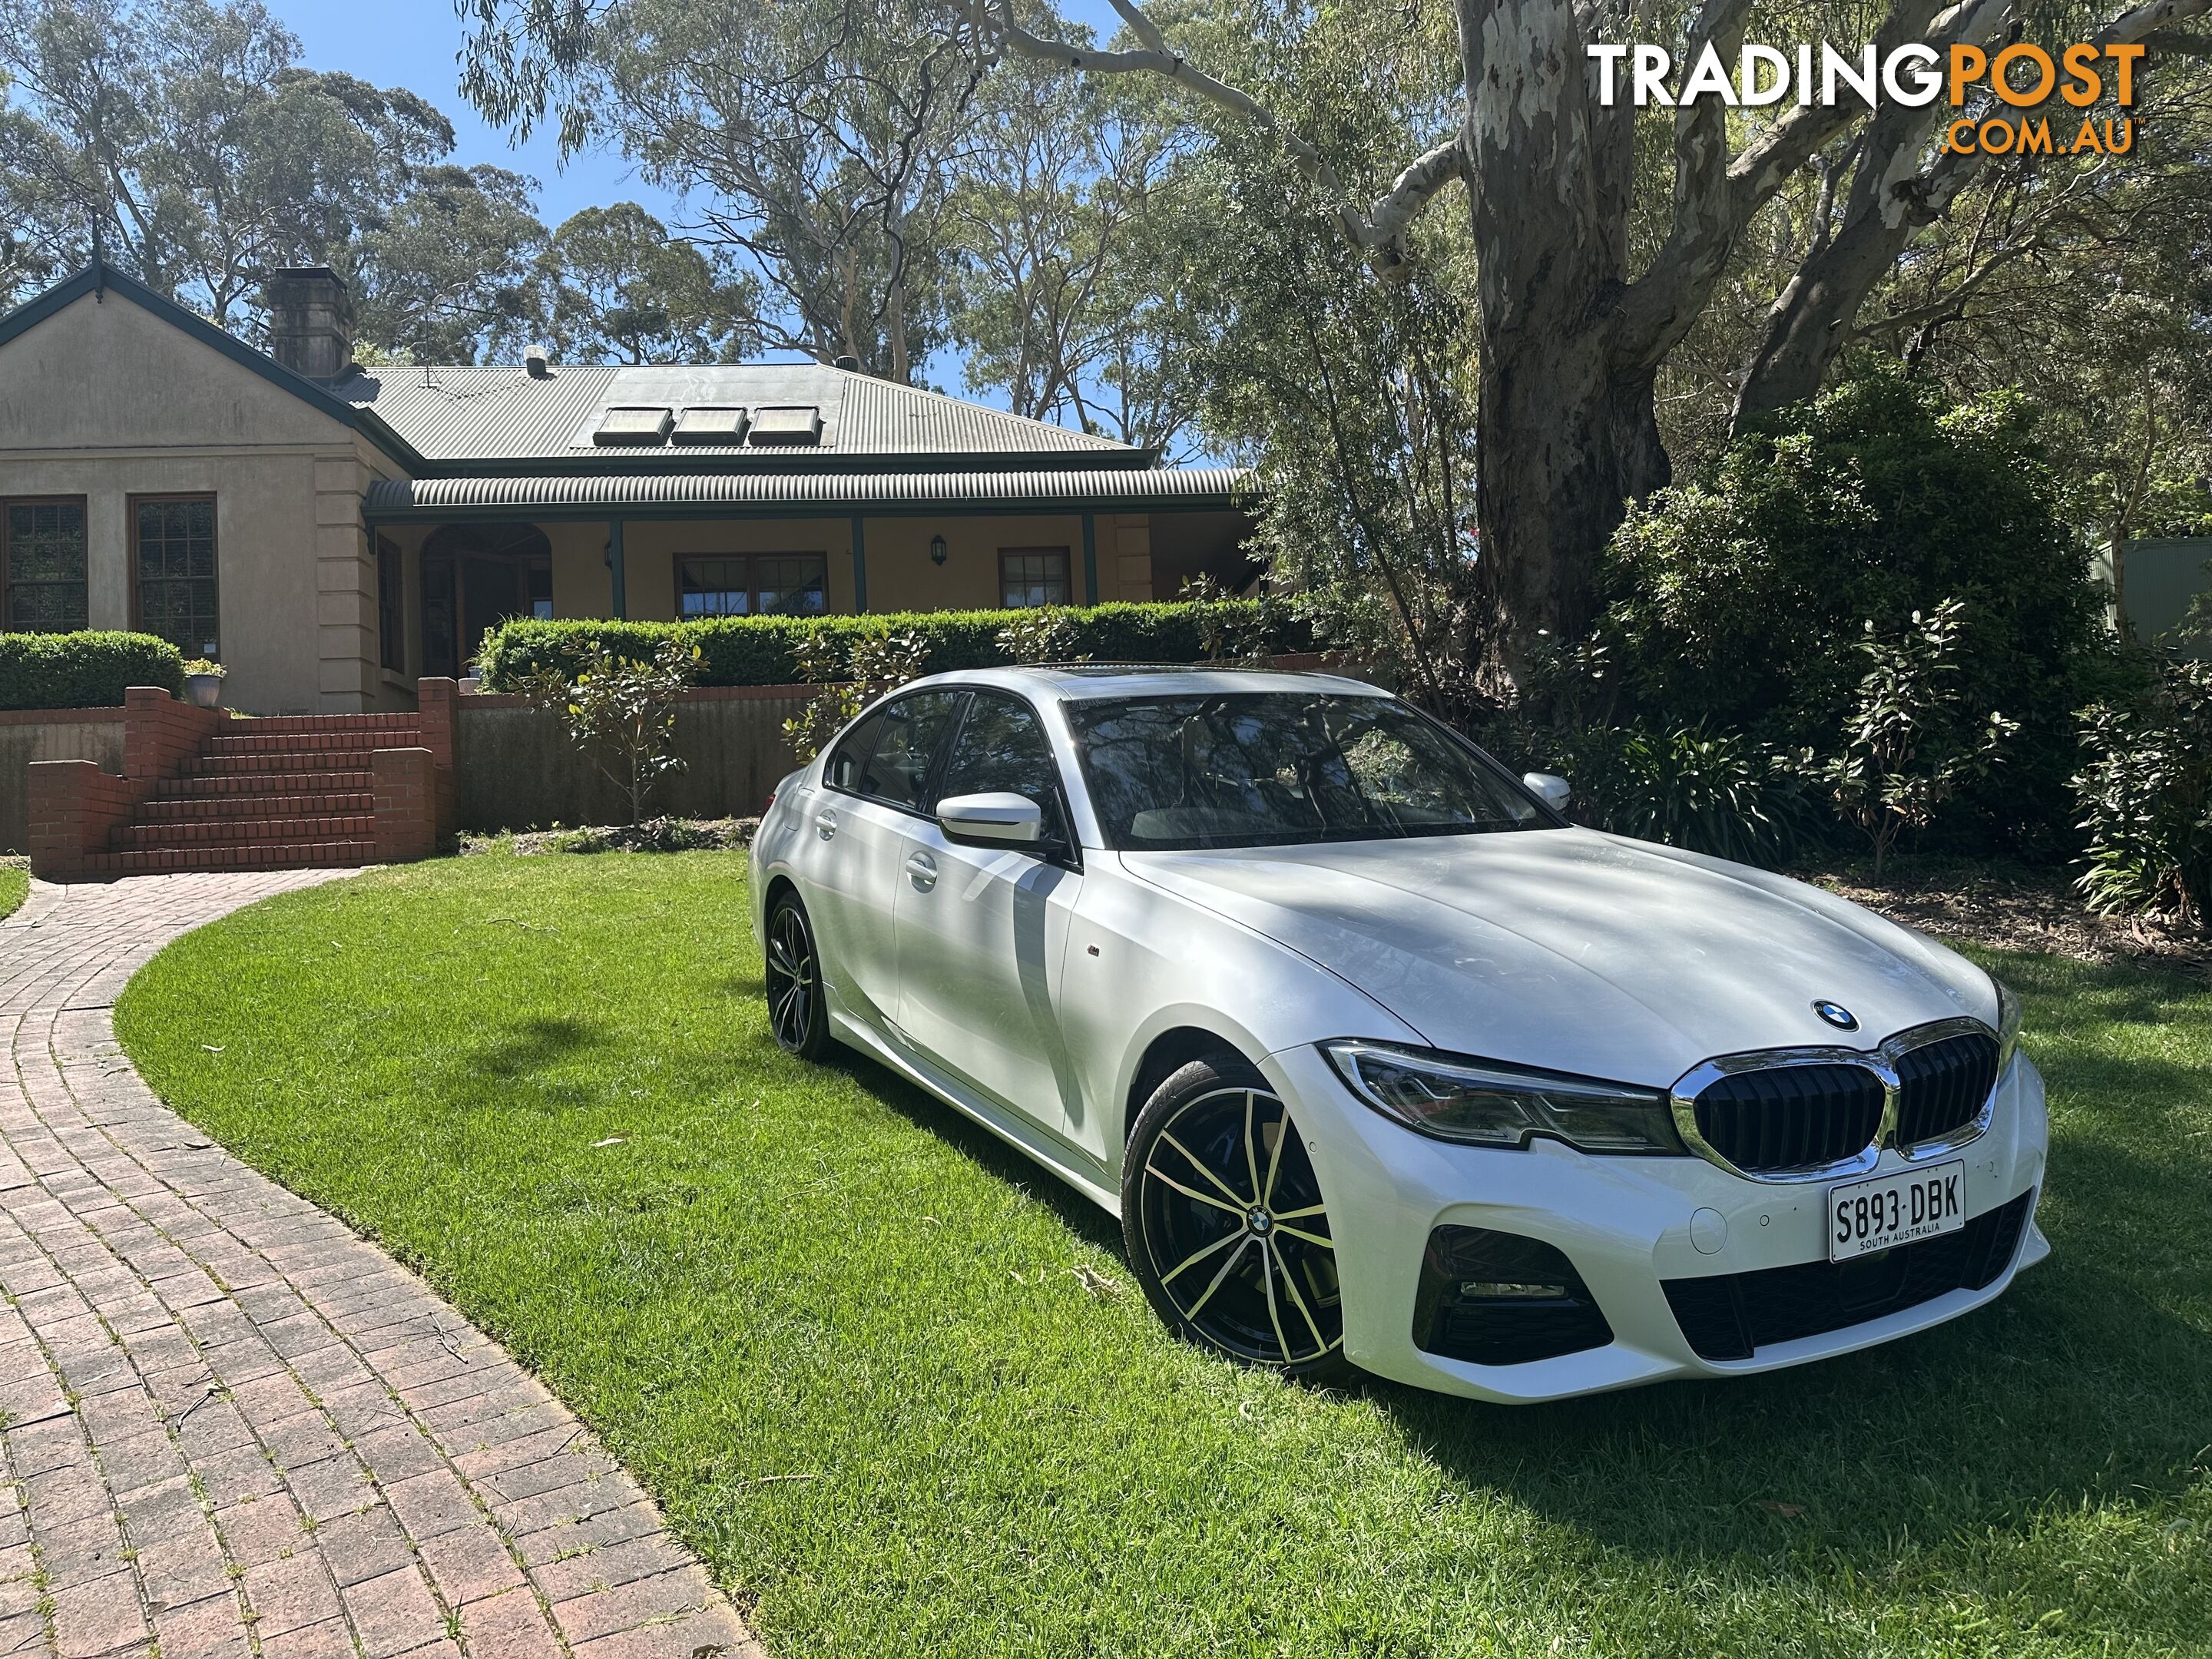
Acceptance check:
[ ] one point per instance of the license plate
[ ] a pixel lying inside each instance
(1868, 1215)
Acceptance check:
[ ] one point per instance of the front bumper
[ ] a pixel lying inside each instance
(1625, 1225)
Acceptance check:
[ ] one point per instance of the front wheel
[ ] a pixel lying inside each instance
(1225, 1224)
(793, 980)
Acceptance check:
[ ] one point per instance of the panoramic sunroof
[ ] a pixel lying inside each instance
(633, 426)
(709, 426)
(802, 424)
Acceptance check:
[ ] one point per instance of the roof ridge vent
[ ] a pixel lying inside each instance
(536, 364)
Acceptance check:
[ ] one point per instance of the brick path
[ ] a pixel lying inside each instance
(231, 1426)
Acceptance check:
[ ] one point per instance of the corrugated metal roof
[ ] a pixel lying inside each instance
(501, 413)
(1047, 490)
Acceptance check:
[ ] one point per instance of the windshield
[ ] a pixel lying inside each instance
(1275, 768)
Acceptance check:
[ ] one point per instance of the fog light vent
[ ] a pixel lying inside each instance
(1498, 1299)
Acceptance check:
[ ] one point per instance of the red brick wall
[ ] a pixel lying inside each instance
(74, 807)
(407, 790)
(161, 733)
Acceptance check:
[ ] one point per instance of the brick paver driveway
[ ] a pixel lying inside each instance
(231, 1425)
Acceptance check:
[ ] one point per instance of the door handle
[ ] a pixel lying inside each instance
(922, 870)
(825, 821)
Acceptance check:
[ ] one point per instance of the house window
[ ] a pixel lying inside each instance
(392, 640)
(757, 585)
(716, 587)
(45, 565)
(1032, 576)
(175, 573)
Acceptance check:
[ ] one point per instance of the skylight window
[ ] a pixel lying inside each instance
(709, 426)
(646, 427)
(796, 425)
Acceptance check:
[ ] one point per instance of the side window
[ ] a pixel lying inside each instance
(843, 771)
(913, 730)
(1001, 748)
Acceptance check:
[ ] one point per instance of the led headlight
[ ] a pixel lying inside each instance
(1453, 1098)
(2007, 1023)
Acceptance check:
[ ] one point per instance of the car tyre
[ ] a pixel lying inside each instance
(1225, 1226)
(793, 978)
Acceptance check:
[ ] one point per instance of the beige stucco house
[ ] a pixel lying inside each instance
(332, 534)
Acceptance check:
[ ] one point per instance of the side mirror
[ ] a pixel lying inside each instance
(1003, 818)
(1549, 787)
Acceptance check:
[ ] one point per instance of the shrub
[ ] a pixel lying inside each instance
(1737, 600)
(84, 671)
(2146, 795)
(764, 650)
(1712, 792)
(1910, 740)
(621, 712)
(849, 674)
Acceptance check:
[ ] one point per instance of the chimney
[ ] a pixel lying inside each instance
(310, 322)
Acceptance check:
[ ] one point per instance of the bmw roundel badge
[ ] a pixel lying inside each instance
(1835, 1014)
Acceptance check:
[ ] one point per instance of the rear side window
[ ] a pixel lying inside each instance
(843, 771)
(896, 771)
(1002, 749)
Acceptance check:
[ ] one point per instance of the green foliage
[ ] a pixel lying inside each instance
(2146, 797)
(1044, 633)
(1712, 791)
(851, 672)
(620, 290)
(1738, 600)
(621, 710)
(766, 650)
(1911, 739)
(84, 671)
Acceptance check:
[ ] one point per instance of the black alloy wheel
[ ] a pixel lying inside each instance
(1225, 1224)
(793, 980)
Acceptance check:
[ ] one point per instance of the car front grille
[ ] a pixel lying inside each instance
(1942, 1086)
(1791, 1117)
(1733, 1315)
(1482, 1297)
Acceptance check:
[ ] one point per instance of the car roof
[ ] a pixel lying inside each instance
(1090, 682)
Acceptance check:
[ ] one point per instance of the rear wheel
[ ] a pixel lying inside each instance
(1225, 1224)
(794, 980)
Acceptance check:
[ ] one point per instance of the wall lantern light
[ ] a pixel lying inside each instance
(937, 550)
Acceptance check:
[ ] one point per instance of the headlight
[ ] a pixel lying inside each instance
(2007, 1023)
(1455, 1098)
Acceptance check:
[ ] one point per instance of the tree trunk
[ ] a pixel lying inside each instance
(1566, 440)
(1568, 433)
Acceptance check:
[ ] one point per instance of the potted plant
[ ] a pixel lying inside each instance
(203, 683)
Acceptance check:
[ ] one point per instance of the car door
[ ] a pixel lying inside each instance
(983, 929)
(874, 783)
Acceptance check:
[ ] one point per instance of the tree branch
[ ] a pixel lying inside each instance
(1378, 230)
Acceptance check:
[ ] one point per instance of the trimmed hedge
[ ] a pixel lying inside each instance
(84, 671)
(757, 650)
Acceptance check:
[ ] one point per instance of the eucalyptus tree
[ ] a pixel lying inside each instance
(620, 290)
(183, 140)
(813, 139)
(1579, 307)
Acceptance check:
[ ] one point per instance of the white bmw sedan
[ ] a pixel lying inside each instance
(1382, 1063)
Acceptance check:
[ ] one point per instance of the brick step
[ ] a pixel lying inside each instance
(231, 766)
(268, 832)
(256, 805)
(235, 856)
(266, 784)
(275, 725)
(311, 743)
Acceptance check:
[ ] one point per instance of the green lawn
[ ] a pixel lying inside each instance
(837, 1331)
(14, 888)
